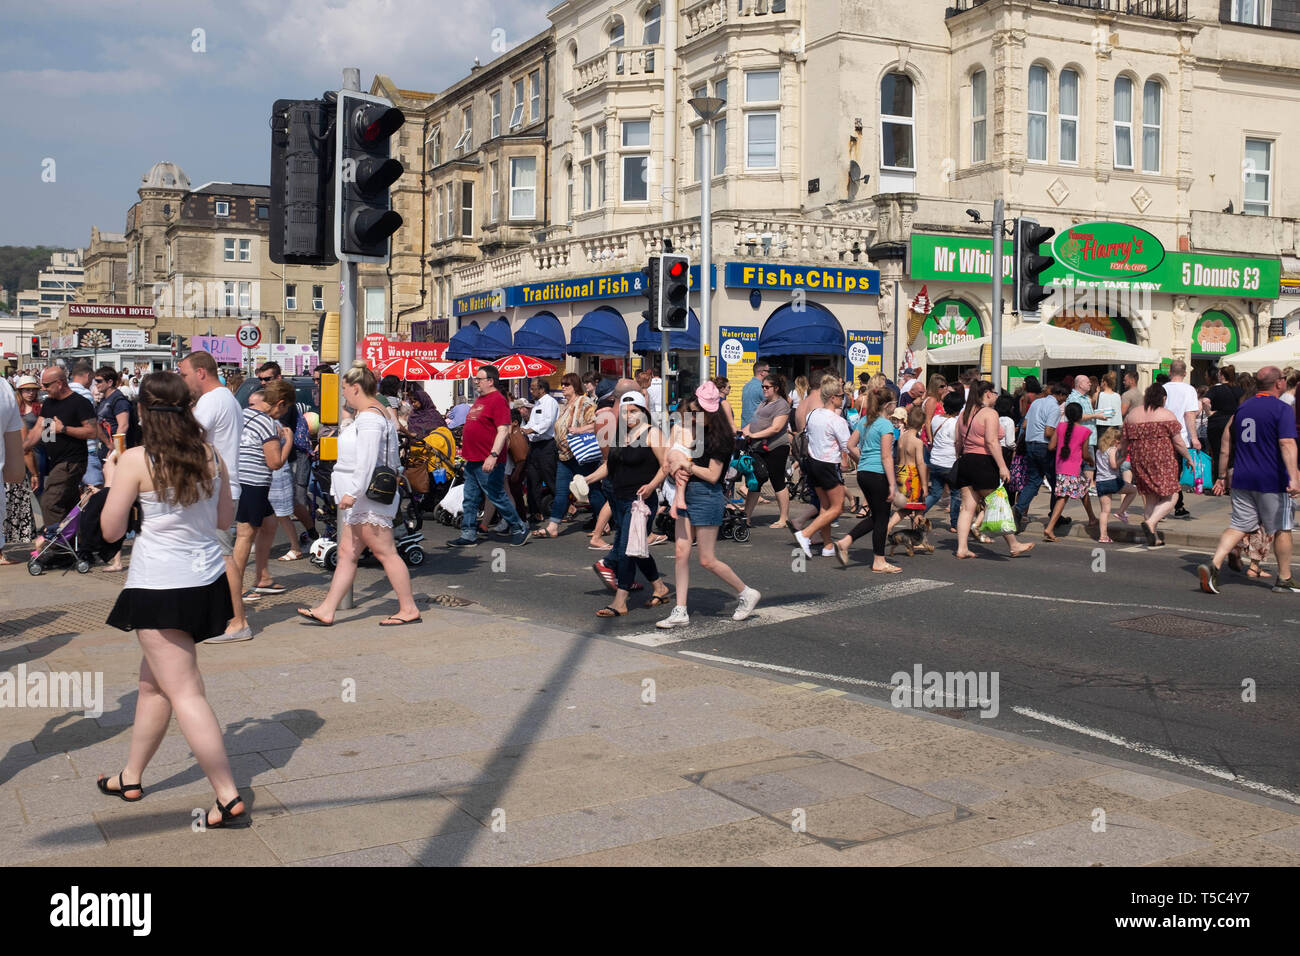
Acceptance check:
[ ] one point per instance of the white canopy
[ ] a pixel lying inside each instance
(1046, 346)
(1281, 353)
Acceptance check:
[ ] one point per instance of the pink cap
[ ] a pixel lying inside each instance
(708, 396)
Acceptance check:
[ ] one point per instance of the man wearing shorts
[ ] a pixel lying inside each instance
(1260, 467)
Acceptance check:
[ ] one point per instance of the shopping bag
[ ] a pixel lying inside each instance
(998, 516)
(1019, 473)
(637, 542)
(1200, 469)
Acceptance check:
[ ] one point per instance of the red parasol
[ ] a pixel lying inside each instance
(523, 366)
(408, 370)
(464, 369)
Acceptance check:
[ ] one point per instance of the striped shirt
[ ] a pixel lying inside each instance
(259, 428)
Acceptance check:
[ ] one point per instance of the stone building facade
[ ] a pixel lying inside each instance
(851, 146)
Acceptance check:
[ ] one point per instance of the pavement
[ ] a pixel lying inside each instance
(477, 738)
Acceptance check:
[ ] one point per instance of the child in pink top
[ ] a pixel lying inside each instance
(1070, 442)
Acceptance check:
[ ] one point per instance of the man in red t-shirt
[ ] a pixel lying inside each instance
(483, 442)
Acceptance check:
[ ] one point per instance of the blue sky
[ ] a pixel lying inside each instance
(106, 88)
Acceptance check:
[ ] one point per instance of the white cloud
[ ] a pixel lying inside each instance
(79, 83)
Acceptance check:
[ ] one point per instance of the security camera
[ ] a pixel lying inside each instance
(974, 215)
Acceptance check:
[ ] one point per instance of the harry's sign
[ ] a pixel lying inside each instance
(1108, 250)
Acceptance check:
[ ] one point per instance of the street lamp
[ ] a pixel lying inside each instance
(707, 108)
(283, 314)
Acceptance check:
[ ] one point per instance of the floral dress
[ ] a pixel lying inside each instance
(1153, 455)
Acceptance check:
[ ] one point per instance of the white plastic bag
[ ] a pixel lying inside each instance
(998, 516)
(453, 502)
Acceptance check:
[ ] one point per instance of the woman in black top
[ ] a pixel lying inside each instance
(635, 470)
(1224, 399)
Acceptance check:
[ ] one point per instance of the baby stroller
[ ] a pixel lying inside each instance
(60, 547)
(451, 502)
(406, 533)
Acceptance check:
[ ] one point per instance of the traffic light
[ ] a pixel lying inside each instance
(302, 197)
(36, 346)
(674, 281)
(363, 172)
(1028, 265)
(651, 274)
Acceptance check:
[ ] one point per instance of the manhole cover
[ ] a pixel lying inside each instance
(1174, 625)
(833, 802)
(449, 600)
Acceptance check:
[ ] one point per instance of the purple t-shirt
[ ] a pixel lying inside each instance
(1260, 423)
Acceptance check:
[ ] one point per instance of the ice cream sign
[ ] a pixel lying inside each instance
(1108, 250)
(949, 322)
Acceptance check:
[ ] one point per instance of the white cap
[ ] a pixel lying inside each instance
(633, 398)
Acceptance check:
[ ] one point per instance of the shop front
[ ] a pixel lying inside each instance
(1111, 280)
(800, 319)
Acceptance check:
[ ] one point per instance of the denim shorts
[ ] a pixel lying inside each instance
(704, 503)
(1107, 488)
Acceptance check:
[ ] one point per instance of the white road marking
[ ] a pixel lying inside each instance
(1150, 607)
(779, 613)
(1158, 753)
(1136, 547)
(793, 671)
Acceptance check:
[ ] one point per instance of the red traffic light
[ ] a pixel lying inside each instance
(375, 122)
(677, 269)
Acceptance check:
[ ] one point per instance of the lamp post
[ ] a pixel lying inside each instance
(707, 108)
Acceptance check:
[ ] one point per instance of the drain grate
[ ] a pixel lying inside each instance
(449, 600)
(1174, 625)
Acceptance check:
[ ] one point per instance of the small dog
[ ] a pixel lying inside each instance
(913, 539)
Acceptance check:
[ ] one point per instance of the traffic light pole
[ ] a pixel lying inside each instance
(706, 256)
(996, 272)
(347, 311)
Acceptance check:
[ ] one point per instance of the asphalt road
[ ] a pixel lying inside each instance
(1049, 626)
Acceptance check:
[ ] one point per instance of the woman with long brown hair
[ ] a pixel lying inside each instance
(176, 592)
(19, 518)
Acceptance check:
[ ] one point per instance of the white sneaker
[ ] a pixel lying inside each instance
(243, 634)
(748, 598)
(828, 552)
(501, 527)
(679, 618)
(804, 543)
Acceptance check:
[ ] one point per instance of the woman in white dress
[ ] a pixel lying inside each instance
(369, 440)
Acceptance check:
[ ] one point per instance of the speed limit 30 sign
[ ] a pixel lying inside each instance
(249, 336)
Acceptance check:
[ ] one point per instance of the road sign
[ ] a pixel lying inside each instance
(249, 336)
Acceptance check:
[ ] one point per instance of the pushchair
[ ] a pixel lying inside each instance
(60, 547)
(406, 532)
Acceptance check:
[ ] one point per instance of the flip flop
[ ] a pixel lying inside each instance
(396, 621)
(313, 619)
(962, 557)
(271, 589)
(610, 611)
(1023, 551)
(658, 600)
(543, 533)
(290, 556)
(250, 596)
(892, 569)
(599, 547)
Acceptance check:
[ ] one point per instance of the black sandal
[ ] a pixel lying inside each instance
(228, 820)
(102, 783)
(612, 612)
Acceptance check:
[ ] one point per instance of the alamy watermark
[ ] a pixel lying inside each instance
(940, 689)
(61, 690)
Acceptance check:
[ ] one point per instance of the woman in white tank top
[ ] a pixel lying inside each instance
(176, 592)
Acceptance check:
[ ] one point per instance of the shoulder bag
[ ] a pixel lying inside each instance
(383, 483)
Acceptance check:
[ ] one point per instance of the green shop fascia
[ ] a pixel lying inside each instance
(1105, 266)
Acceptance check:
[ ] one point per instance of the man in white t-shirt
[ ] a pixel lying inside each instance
(1181, 399)
(11, 447)
(218, 411)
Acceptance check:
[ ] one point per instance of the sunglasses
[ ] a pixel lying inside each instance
(269, 378)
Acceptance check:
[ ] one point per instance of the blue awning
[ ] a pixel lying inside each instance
(648, 340)
(542, 336)
(601, 331)
(462, 344)
(813, 330)
(494, 340)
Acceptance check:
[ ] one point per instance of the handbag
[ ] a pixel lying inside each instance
(998, 516)
(1019, 472)
(585, 447)
(383, 482)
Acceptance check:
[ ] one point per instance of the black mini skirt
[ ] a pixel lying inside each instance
(200, 612)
